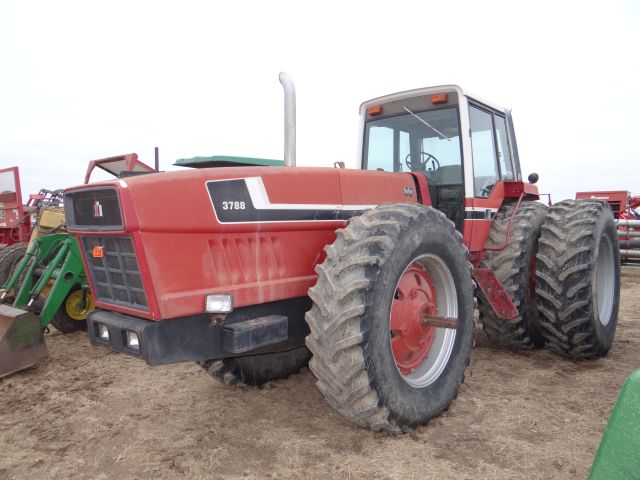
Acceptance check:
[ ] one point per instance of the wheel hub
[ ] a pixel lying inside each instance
(79, 305)
(605, 280)
(411, 339)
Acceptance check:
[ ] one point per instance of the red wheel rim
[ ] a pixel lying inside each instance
(415, 297)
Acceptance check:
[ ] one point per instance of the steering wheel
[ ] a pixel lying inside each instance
(485, 190)
(421, 162)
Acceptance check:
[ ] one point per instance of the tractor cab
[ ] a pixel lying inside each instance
(462, 146)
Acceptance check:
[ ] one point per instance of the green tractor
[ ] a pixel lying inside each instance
(50, 280)
(46, 277)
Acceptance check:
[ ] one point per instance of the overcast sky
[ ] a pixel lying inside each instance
(85, 80)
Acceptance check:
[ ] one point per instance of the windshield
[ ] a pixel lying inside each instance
(427, 142)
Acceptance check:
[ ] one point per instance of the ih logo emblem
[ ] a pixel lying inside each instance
(97, 209)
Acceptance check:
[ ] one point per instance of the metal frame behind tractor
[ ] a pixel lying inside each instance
(624, 207)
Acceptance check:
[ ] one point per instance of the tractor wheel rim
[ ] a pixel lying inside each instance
(421, 352)
(605, 280)
(74, 307)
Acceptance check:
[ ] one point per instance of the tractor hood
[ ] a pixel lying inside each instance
(253, 232)
(230, 198)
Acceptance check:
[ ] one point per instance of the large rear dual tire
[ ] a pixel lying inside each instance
(514, 264)
(578, 278)
(561, 268)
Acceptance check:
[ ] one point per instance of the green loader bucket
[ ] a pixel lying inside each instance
(21, 340)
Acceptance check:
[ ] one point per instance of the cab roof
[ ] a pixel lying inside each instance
(427, 91)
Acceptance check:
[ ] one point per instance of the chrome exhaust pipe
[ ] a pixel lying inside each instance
(289, 119)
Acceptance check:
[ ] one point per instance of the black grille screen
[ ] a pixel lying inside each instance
(98, 208)
(115, 275)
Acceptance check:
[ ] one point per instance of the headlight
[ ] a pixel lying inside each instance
(218, 304)
(131, 340)
(103, 332)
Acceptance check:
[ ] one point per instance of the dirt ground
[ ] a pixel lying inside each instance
(89, 413)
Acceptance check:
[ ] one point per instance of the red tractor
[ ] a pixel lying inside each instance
(369, 275)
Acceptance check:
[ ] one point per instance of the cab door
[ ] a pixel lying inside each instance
(492, 162)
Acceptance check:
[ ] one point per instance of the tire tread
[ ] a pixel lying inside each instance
(565, 270)
(337, 338)
(508, 265)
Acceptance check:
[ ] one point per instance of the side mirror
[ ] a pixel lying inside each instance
(533, 177)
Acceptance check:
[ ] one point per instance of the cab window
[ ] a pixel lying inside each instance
(426, 142)
(490, 150)
(504, 153)
(485, 167)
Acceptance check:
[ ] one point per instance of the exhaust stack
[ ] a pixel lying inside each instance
(289, 119)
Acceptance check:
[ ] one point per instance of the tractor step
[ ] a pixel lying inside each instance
(258, 332)
(21, 340)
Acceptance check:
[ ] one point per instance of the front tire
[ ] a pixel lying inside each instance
(9, 259)
(375, 361)
(72, 314)
(578, 278)
(255, 370)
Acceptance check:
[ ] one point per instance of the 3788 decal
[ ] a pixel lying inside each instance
(233, 206)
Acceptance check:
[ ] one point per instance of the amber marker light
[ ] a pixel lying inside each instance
(439, 98)
(375, 110)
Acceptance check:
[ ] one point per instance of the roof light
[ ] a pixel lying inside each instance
(439, 98)
(98, 251)
(375, 110)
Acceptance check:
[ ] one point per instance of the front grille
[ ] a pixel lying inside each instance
(115, 275)
(93, 209)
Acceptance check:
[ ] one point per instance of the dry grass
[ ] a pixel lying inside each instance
(90, 413)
